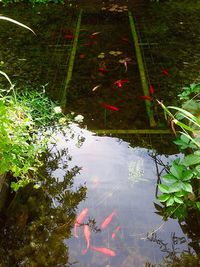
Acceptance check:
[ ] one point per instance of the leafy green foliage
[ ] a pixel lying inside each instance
(22, 117)
(178, 186)
(188, 90)
(33, 2)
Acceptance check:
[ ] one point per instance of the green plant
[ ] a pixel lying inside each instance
(188, 90)
(33, 2)
(23, 136)
(180, 187)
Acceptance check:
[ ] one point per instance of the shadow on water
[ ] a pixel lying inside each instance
(35, 222)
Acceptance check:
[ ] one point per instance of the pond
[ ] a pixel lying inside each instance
(96, 205)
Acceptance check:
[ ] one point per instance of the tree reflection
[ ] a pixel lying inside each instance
(174, 255)
(36, 221)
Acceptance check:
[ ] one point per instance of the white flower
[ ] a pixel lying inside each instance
(57, 110)
(79, 118)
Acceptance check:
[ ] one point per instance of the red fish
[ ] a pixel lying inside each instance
(106, 251)
(87, 234)
(120, 83)
(82, 56)
(110, 107)
(117, 229)
(69, 36)
(108, 220)
(79, 220)
(146, 97)
(151, 89)
(125, 39)
(89, 43)
(165, 72)
(102, 70)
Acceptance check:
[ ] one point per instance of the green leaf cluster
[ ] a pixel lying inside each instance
(33, 2)
(24, 119)
(179, 189)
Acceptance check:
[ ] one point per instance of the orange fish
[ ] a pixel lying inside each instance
(102, 70)
(108, 220)
(120, 83)
(146, 97)
(87, 234)
(110, 107)
(106, 251)
(117, 229)
(79, 220)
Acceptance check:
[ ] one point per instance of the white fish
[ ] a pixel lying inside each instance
(95, 33)
(96, 87)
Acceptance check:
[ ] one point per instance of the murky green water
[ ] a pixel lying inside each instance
(105, 175)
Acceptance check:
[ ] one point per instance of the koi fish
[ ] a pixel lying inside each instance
(87, 234)
(95, 33)
(79, 220)
(110, 107)
(69, 36)
(146, 97)
(126, 66)
(151, 89)
(82, 56)
(102, 70)
(103, 250)
(120, 83)
(117, 229)
(108, 220)
(88, 43)
(96, 87)
(165, 72)
(125, 39)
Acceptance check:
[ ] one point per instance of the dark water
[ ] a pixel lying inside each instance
(102, 174)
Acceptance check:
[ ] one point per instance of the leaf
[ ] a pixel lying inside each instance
(175, 187)
(17, 22)
(187, 187)
(198, 205)
(163, 188)
(6, 76)
(176, 170)
(178, 200)
(187, 175)
(164, 197)
(191, 160)
(179, 194)
(170, 201)
(187, 115)
(168, 178)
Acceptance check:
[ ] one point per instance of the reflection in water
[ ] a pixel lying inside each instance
(36, 221)
(121, 183)
(115, 226)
